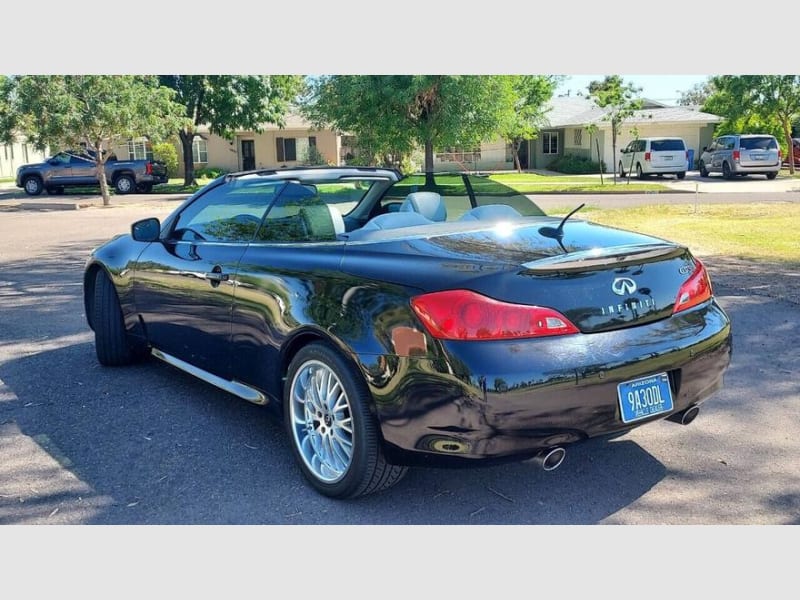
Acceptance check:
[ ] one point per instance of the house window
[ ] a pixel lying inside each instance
(549, 142)
(312, 141)
(140, 149)
(578, 137)
(286, 148)
(199, 150)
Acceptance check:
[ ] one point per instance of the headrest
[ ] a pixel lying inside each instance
(428, 204)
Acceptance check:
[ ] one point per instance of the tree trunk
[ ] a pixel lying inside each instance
(599, 160)
(187, 138)
(787, 135)
(100, 172)
(515, 154)
(428, 163)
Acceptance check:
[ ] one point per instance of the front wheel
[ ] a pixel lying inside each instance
(112, 343)
(621, 170)
(33, 186)
(334, 436)
(124, 184)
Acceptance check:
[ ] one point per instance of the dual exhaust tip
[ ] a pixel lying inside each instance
(685, 416)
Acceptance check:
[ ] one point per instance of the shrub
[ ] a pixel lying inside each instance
(209, 172)
(314, 157)
(575, 165)
(168, 154)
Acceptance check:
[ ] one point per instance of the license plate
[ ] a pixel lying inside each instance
(668, 157)
(644, 397)
(758, 157)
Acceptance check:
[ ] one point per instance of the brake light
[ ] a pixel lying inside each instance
(466, 315)
(148, 168)
(736, 155)
(696, 289)
(647, 156)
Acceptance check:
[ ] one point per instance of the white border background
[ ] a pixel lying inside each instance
(484, 562)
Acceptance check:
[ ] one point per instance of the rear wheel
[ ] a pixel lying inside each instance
(124, 184)
(33, 186)
(112, 343)
(334, 436)
(681, 175)
(771, 175)
(726, 171)
(703, 170)
(639, 173)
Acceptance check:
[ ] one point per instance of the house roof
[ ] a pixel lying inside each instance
(579, 111)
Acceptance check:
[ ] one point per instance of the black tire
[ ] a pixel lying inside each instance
(703, 170)
(322, 438)
(621, 170)
(112, 343)
(681, 175)
(771, 175)
(32, 185)
(144, 188)
(124, 184)
(726, 171)
(639, 173)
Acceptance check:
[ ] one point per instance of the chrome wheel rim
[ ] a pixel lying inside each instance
(31, 186)
(322, 423)
(124, 185)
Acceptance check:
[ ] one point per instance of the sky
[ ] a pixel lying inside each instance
(661, 88)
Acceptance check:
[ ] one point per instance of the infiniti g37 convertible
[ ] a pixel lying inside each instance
(437, 319)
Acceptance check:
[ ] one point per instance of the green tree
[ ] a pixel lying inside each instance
(531, 95)
(97, 111)
(620, 101)
(697, 95)
(397, 113)
(226, 103)
(758, 104)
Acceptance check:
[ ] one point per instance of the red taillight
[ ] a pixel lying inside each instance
(148, 168)
(647, 156)
(466, 315)
(696, 289)
(736, 155)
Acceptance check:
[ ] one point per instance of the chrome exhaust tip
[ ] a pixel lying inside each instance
(550, 459)
(686, 416)
(689, 415)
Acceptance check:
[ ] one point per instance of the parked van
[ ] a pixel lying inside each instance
(749, 154)
(654, 156)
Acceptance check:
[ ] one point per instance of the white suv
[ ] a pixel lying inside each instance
(654, 156)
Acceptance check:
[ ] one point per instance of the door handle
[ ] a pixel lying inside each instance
(216, 277)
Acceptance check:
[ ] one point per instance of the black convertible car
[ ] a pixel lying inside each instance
(436, 319)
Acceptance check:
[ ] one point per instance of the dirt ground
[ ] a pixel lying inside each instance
(755, 278)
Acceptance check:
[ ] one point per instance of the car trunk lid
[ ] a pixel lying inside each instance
(599, 277)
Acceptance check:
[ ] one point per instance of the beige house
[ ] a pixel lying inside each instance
(16, 154)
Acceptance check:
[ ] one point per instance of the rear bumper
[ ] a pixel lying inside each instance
(503, 400)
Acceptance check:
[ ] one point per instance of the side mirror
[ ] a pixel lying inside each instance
(146, 230)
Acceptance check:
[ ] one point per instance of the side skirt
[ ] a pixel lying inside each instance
(241, 390)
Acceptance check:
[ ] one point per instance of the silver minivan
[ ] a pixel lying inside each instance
(654, 156)
(741, 154)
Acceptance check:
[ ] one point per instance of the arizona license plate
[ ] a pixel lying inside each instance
(644, 397)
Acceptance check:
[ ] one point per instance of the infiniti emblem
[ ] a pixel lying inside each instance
(623, 285)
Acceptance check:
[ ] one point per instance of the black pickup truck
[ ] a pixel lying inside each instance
(71, 169)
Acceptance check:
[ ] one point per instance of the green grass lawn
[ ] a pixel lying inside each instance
(750, 231)
(531, 183)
